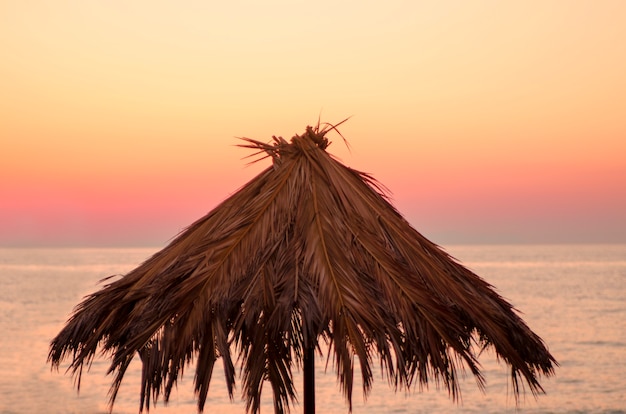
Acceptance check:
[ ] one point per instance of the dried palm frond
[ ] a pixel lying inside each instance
(308, 250)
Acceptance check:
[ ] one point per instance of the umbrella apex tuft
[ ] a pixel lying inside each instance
(312, 138)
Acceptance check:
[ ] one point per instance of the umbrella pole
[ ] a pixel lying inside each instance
(309, 380)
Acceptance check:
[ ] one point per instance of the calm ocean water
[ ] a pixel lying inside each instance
(573, 296)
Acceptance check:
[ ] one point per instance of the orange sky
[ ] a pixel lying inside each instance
(488, 121)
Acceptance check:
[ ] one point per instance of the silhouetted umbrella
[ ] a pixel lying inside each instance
(308, 250)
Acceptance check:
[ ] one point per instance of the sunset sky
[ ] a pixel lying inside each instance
(488, 121)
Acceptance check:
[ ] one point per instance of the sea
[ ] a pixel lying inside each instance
(573, 296)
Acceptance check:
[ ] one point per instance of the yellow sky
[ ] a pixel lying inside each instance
(118, 114)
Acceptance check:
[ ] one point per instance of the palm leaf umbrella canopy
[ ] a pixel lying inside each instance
(308, 251)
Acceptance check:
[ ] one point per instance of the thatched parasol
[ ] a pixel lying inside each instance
(308, 250)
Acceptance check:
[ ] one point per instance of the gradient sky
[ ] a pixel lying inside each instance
(488, 121)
